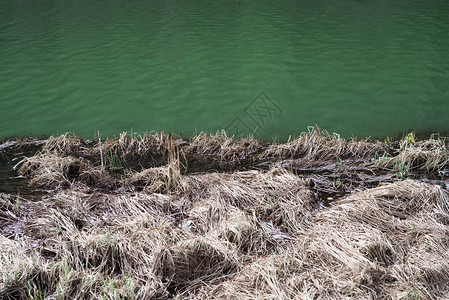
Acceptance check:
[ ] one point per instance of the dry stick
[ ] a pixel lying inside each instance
(170, 171)
(169, 149)
(101, 149)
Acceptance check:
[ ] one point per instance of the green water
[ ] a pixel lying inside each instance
(356, 67)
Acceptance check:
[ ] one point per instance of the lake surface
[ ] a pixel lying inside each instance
(356, 67)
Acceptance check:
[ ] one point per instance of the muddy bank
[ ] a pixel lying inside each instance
(213, 217)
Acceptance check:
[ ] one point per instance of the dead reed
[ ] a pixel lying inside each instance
(237, 235)
(162, 179)
(389, 241)
(66, 144)
(52, 171)
(228, 149)
(430, 155)
(318, 144)
(385, 243)
(128, 144)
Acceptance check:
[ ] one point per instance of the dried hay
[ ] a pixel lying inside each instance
(372, 241)
(51, 171)
(276, 195)
(240, 235)
(123, 249)
(22, 273)
(248, 234)
(66, 144)
(389, 242)
(427, 155)
(159, 180)
(206, 217)
(195, 261)
(225, 222)
(97, 177)
(318, 144)
(88, 284)
(228, 149)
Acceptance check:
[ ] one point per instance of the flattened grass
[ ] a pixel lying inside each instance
(254, 234)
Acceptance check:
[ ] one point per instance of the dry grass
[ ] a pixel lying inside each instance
(228, 149)
(224, 222)
(8, 207)
(128, 144)
(195, 261)
(66, 144)
(240, 235)
(158, 180)
(162, 179)
(318, 144)
(427, 155)
(213, 242)
(134, 245)
(389, 242)
(276, 195)
(52, 171)
(23, 274)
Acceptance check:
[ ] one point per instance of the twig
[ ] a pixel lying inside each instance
(101, 149)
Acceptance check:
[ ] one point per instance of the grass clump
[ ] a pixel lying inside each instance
(162, 179)
(248, 234)
(430, 155)
(195, 261)
(128, 144)
(318, 144)
(52, 171)
(66, 144)
(228, 149)
(276, 195)
(158, 180)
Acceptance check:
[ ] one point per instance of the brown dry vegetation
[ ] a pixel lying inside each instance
(129, 144)
(426, 155)
(318, 144)
(48, 170)
(389, 242)
(158, 233)
(66, 144)
(227, 149)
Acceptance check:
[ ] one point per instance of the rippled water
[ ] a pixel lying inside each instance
(357, 67)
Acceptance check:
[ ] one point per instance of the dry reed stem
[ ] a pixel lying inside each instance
(158, 180)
